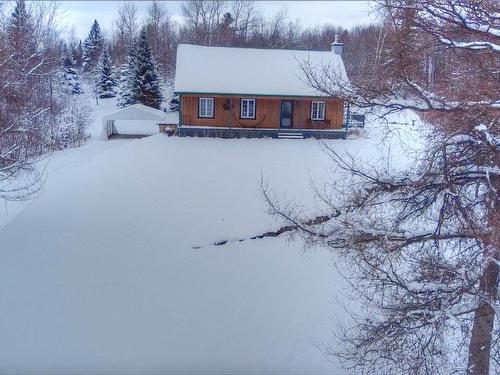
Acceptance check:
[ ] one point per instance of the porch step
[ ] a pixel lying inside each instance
(290, 135)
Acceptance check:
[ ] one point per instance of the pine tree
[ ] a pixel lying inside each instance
(225, 32)
(174, 103)
(148, 91)
(78, 55)
(128, 78)
(106, 82)
(21, 47)
(70, 77)
(92, 48)
(20, 29)
(141, 83)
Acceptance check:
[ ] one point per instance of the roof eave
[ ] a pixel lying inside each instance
(250, 94)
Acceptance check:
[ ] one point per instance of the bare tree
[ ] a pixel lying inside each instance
(126, 30)
(161, 34)
(423, 245)
(28, 63)
(363, 50)
(275, 30)
(34, 111)
(246, 17)
(202, 19)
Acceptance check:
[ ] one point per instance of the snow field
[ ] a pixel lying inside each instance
(99, 272)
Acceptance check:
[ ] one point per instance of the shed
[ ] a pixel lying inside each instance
(136, 120)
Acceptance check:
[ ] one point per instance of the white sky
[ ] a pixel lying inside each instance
(81, 14)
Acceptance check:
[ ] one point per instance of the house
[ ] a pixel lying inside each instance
(137, 120)
(248, 92)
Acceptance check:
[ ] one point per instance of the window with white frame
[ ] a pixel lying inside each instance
(317, 110)
(206, 107)
(247, 108)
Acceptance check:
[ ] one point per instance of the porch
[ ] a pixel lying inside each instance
(266, 111)
(227, 132)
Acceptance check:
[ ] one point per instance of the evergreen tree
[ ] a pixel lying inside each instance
(141, 83)
(20, 29)
(78, 55)
(225, 31)
(148, 90)
(106, 82)
(92, 48)
(70, 77)
(128, 78)
(174, 103)
(21, 47)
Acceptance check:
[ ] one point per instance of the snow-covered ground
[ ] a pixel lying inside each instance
(99, 272)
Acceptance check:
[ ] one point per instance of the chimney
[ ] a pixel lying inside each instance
(337, 46)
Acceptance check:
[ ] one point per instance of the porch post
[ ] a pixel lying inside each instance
(230, 113)
(180, 110)
(302, 125)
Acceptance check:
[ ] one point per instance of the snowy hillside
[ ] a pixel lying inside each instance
(99, 272)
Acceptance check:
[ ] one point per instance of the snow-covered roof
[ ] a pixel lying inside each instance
(137, 119)
(137, 112)
(171, 118)
(252, 71)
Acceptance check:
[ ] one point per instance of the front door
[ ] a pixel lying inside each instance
(286, 117)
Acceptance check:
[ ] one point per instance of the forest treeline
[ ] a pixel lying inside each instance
(229, 24)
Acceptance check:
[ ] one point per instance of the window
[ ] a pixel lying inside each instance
(317, 110)
(247, 108)
(206, 107)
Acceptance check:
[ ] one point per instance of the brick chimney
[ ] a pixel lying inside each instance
(337, 47)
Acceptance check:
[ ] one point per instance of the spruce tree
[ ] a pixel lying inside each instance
(174, 103)
(70, 77)
(21, 47)
(92, 48)
(128, 78)
(20, 29)
(148, 90)
(106, 81)
(140, 83)
(78, 55)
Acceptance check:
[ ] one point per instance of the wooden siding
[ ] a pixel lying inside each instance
(267, 113)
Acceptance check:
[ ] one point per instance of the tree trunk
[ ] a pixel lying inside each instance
(484, 318)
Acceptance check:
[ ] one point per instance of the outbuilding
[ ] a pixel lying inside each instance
(137, 120)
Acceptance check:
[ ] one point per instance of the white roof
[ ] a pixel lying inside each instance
(138, 112)
(228, 70)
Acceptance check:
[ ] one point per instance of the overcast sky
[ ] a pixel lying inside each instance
(81, 14)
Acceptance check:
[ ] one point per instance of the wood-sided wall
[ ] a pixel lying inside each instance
(267, 114)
